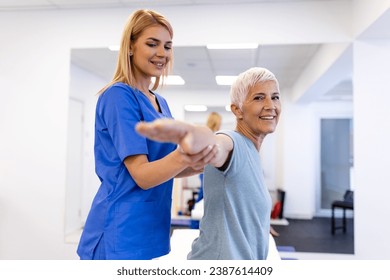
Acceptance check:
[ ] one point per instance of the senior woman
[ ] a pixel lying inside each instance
(237, 203)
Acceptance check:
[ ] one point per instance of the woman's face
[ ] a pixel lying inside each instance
(151, 52)
(261, 108)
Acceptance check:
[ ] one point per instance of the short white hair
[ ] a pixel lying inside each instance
(240, 87)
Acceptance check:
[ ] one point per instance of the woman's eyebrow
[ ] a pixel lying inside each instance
(157, 40)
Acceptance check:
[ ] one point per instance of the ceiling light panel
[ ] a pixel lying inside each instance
(225, 80)
(195, 108)
(238, 46)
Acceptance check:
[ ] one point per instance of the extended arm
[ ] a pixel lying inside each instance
(149, 174)
(191, 138)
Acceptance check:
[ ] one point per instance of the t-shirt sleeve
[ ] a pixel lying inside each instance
(232, 163)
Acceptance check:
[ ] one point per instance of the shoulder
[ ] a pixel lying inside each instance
(119, 92)
(118, 88)
(118, 97)
(230, 134)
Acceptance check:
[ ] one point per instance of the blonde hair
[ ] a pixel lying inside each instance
(240, 87)
(214, 121)
(135, 25)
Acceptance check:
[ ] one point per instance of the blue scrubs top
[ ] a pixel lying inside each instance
(133, 223)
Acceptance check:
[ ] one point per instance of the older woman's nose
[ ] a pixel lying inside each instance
(269, 104)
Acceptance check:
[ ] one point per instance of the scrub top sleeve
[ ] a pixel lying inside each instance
(121, 111)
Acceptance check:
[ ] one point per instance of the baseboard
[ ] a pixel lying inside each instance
(299, 216)
(279, 222)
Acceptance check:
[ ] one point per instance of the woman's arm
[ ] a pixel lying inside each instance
(150, 174)
(191, 138)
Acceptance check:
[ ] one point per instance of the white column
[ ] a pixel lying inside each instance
(372, 148)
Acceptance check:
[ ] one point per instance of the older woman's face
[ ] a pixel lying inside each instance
(261, 108)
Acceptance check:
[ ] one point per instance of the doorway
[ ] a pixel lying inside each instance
(336, 160)
(74, 181)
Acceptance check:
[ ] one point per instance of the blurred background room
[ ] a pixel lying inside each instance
(331, 57)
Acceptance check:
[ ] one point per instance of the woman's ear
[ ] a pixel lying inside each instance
(131, 51)
(236, 111)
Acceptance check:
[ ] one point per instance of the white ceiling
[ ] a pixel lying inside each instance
(197, 65)
(77, 4)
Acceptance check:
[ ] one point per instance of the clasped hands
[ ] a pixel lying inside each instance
(197, 144)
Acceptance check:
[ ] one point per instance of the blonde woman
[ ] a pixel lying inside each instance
(131, 213)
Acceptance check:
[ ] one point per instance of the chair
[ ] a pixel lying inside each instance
(345, 204)
(277, 210)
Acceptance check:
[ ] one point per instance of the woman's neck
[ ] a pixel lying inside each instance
(257, 139)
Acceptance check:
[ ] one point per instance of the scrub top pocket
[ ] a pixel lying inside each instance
(137, 225)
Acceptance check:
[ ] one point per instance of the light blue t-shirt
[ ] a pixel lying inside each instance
(237, 208)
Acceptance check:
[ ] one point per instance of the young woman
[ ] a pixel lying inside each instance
(237, 204)
(130, 214)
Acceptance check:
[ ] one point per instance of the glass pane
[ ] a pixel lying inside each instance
(336, 159)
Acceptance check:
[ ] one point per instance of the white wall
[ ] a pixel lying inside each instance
(34, 76)
(372, 150)
(84, 86)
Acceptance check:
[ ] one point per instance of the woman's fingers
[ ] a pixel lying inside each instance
(204, 157)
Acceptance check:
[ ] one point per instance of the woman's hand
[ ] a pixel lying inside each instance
(191, 138)
(197, 162)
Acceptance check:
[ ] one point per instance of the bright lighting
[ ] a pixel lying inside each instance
(225, 80)
(173, 80)
(113, 48)
(232, 46)
(227, 108)
(195, 108)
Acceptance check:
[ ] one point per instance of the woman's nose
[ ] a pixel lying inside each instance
(161, 51)
(269, 104)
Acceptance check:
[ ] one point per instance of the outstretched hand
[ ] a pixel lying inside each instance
(163, 130)
(192, 139)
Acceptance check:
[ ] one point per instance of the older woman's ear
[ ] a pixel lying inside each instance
(236, 111)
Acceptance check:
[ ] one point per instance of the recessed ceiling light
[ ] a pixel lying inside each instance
(195, 108)
(113, 48)
(172, 80)
(232, 46)
(225, 80)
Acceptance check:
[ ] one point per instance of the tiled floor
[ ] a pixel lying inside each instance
(312, 239)
(315, 256)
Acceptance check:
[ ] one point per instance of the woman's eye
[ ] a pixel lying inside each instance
(168, 47)
(276, 97)
(151, 44)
